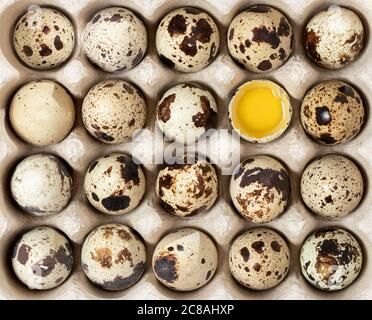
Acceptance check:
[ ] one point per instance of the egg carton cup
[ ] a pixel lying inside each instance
(295, 149)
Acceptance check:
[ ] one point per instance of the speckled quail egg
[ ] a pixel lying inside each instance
(113, 110)
(331, 259)
(42, 258)
(42, 184)
(334, 37)
(187, 39)
(332, 186)
(332, 112)
(42, 112)
(260, 189)
(115, 39)
(187, 189)
(185, 260)
(185, 112)
(113, 257)
(260, 39)
(115, 184)
(259, 259)
(44, 38)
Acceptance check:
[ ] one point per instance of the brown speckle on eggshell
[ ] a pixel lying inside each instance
(44, 38)
(331, 259)
(259, 259)
(260, 39)
(334, 37)
(113, 257)
(332, 112)
(115, 184)
(332, 186)
(260, 189)
(187, 189)
(42, 258)
(42, 185)
(179, 254)
(185, 112)
(113, 111)
(115, 39)
(187, 39)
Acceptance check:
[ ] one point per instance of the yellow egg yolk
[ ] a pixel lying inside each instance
(258, 110)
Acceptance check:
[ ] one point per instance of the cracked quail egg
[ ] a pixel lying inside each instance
(42, 258)
(187, 39)
(260, 189)
(332, 112)
(260, 39)
(185, 260)
(113, 110)
(259, 259)
(113, 257)
(185, 112)
(42, 112)
(260, 111)
(334, 37)
(331, 259)
(42, 184)
(187, 189)
(115, 39)
(115, 184)
(332, 186)
(44, 38)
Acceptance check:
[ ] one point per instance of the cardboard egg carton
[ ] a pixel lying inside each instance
(222, 222)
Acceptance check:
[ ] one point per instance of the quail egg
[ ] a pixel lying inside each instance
(331, 259)
(332, 186)
(42, 184)
(260, 189)
(187, 39)
(113, 110)
(334, 37)
(115, 39)
(42, 258)
(187, 189)
(113, 257)
(259, 259)
(260, 39)
(185, 260)
(44, 38)
(115, 184)
(42, 112)
(260, 111)
(332, 112)
(185, 112)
